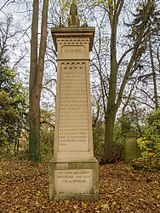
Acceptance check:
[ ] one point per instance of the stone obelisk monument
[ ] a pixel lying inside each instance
(73, 173)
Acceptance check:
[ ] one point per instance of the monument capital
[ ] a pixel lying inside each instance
(68, 32)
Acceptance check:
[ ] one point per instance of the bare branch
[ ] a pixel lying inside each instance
(7, 3)
(146, 93)
(49, 91)
(124, 55)
(17, 62)
(51, 81)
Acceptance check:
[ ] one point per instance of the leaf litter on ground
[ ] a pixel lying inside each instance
(24, 188)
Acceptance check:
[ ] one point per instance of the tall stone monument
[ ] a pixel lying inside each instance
(73, 173)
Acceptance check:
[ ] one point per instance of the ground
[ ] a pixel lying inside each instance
(24, 188)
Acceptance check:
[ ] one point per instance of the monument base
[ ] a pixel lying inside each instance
(76, 180)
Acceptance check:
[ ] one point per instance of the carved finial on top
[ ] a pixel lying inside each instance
(73, 20)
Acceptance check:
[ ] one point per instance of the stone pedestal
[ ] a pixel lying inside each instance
(73, 173)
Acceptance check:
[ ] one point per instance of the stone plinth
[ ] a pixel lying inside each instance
(73, 173)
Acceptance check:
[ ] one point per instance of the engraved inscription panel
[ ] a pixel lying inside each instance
(73, 109)
(73, 181)
(72, 52)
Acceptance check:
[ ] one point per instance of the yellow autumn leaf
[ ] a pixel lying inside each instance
(105, 206)
(66, 202)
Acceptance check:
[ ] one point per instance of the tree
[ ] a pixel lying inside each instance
(150, 64)
(36, 78)
(131, 56)
(13, 97)
(12, 103)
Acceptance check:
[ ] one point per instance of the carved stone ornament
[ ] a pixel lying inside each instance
(73, 20)
(73, 65)
(73, 40)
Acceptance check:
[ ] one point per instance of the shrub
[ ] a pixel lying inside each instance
(98, 140)
(13, 107)
(149, 143)
(118, 141)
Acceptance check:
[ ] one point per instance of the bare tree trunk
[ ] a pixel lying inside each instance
(108, 145)
(111, 111)
(34, 151)
(36, 78)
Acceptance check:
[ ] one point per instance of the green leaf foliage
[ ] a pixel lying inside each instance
(98, 139)
(12, 106)
(149, 143)
(146, 18)
(47, 134)
(118, 140)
